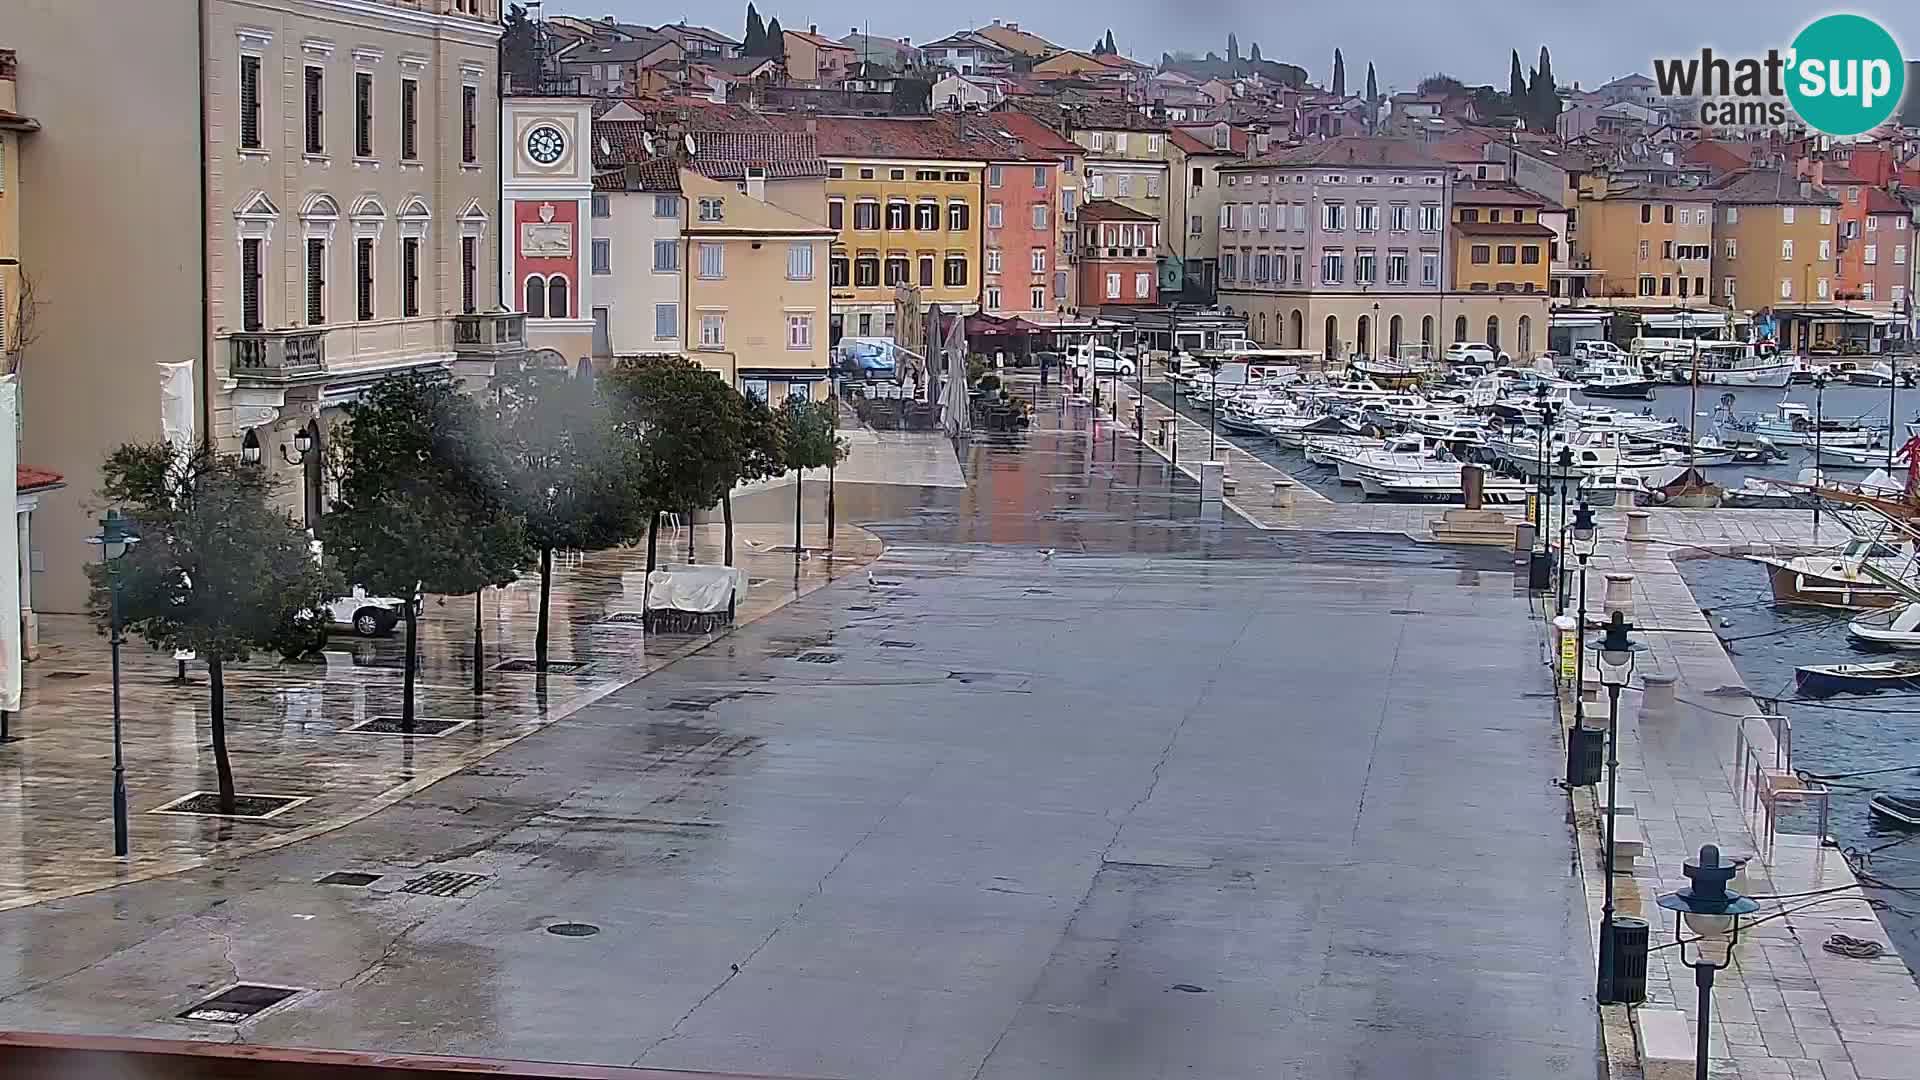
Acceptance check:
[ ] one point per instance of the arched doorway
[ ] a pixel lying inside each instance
(1426, 335)
(1298, 330)
(1493, 332)
(1362, 337)
(1526, 335)
(1460, 328)
(1393, 336)
(1332, 344)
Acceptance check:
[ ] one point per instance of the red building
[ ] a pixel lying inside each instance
(1117, 262)
(1019, 254)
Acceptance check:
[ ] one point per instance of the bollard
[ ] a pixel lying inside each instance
(1523, 537)
(1619, 596)
(1472, 485)
(1637, 526)
(1283, 494)
(1658, 697)
(1564, 639)
(1166, 429)
(1623, 500)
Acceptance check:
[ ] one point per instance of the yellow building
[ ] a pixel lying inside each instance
(757, 297)
(904, 199)
(1502, 256)
(1773, 241)
(1647, 242)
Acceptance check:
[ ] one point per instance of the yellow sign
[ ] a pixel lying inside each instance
(1533, 509)
(1569, 657)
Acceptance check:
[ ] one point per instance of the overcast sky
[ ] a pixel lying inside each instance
(1406, 39)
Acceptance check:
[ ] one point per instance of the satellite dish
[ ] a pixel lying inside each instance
(606, 148)
(646, 141)
(691, 149)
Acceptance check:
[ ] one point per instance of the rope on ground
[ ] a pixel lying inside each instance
(1808, 775)
(1857, 948)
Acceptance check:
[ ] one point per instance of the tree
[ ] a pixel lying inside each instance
(1544, 96)
(1253, 53)
(912, 95)
(1441, 84)
(520, 50)
(218, 569)
(1111, 50)
(566, 471)
(756, 38)
(1233, 48)
(422, 500)
(808, 441)
(1373, 99)
(1517, 82)
(776, 40)
(1339, 74)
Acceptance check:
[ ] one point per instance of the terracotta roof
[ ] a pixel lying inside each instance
(618, 52)
(1112, 116)
(1108, 210)
(1840, 174)
(1012, 37)
(27, 478)
(1029, 130)
(1764, 187)
(739, 66)
(1879, 201)
(1353, 151)
(658, 174)
(817, 40)
(1503, 228)
(1236, 137)
(945, 136)
(1192, 145)
(1472, 193)
(725, 155)
(1662, 193)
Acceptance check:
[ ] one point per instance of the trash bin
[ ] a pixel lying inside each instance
(1523, 537)
(1586, 753)
(1540, 571)
(1629, 961)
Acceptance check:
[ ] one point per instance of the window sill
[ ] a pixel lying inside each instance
(255, 154)
(414, 164)
(710, 348)
(316, 159)
(470, 166)
(359, 161)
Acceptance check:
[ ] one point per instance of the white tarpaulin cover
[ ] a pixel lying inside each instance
(705, 589)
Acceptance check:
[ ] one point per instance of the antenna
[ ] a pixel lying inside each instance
(606, 148)
(691, 149)
(646, 142)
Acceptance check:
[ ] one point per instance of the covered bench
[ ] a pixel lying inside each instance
(687, 599)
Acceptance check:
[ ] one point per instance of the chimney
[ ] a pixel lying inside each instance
(996, 22)
(813, 28)
(633, 176)
(1013, 26)
(757, 183)
(1806, 189)
(906, 41)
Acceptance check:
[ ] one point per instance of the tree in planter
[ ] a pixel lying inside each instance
(567, 476)
(808, 441)
(218, 570)
(422, 503)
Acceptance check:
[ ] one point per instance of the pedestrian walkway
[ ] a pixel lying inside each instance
(289, 725)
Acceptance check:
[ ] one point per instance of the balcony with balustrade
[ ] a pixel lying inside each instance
(489, 337)
(274, 357)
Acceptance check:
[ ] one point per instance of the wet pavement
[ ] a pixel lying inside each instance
(1180, 799)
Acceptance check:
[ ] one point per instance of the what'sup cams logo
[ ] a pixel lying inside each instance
(1843, 75)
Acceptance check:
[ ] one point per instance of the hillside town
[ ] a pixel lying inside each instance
(550, 545)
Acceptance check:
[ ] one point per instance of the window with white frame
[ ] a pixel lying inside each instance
(1397, 218)
(1899, 293)
(1870, 254)
(1226, 217)
(1728, 287)
(1333, 216)
(1429, 217)
(799, 330)
(1037, 298)
(713, 260)
(666, 256)
(1733, 249)
(1786, 288)
(1113, 286)
(800, 261)
(713, 330)
(1142, 285)
(666, 206)
(1866, 290)
(1786, 215)
(994, 218)
(1786, 249)
(713, 209)
(1873, 224)
(602, 255)
(1429, 268)
(1039, 215)
(1332, 267)
(666, 322)
(1260, 217)
(993, 298)
(1900, 254)
(1396, 268)
(1369, 217)
(1826, 249)
(1363, 266)
(1733, 215)
(1820, 287)
(1153, 144)
(1153, 185)
(1123, 184)
(1226, 266)
(1299, 217)
(993, 260)
(1038, 262)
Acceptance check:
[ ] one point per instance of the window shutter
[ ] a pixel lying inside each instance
(316, 111)
(469, 272)
(250, 284)
(363, 114)
(409, 119)
(469, 123)
(410, 276)
(316, 282)
(363, 265)
(250, 102)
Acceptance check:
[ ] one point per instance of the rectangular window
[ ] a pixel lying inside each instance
(1866, 290)
(1060, 283)
(1826, 249)
(994, 219)
(1469, 215)
(1123, 184)
(1429, 217)
(1733, 249)
(1508, 254)
(1039, 176)
(1142, 285)
(409, 119)
(1040, 216)
(1226, 266)
(956, 275)
(1333, 217)
(1646, 249)
(1873, 223)
(1260, 217)
(1153, 189)
(363, 275)
(1262, 267)
(469, 125)
(993, 176)
(1733, 215)
(866, 271)
(1332, 268)
(957, 216)
(993, 298)
(1786, 215)
(252, 305)
(601, 206)
(1899, 293)
(1647, 285)
(799, 332)
(666, 206)
(250, 102)
(1369, 217)
(602, 255)
(1786, 288)
(713, 331)
(1363, 266)
(1530, 255)
(316, 281)
(1037, 298)
(800, 261)
(1397, 218)
(713, 260)
(839, 272)
(1666, 249)
(666, 321)
(1646, 213)
(1666, 213)
(926, 216)
(666, 256)
(410, 276)
(1396, 268)
(1729, 286)
(1869, 254)
(469, 274)
(363, 114)
(1113, 286)
(316, 102)
(895, 271)
(1037, 263)
(1196, 225)
(836, 214)
(897, 214)
(1482, 254)
(1786, 249)
(1429, 268)
(713, 210)
(993, 260)
(1900, 254)
(926, 271)
(866, 215)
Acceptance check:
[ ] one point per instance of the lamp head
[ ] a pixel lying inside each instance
(1584, 534)
(250, 447)
(1616, 652)
(303, 440)
(1708, 908)
(116, 535)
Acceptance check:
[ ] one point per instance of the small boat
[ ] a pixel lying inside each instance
(1757, 494)
(1617, 381)
(1826, 680)
(1835, 581)
(1794, 424)
(1895, 809)
(1896, 628)
(1876, 375)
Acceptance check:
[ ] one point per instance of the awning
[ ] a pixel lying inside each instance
(981, 324)
(1692, 320)
(1573, 318)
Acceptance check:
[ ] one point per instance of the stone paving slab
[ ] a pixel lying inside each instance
(287, 722)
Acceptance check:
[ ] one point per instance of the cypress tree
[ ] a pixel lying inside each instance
(1339, 74)
(756, 42)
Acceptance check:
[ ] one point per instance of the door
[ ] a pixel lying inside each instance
(602, 335)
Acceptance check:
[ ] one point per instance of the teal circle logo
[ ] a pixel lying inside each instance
(1846, 75)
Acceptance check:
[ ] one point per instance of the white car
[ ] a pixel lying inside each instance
(1108, 362)
(366, 616)
(1464, 352)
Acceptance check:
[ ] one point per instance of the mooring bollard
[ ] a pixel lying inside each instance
(1619, 595)
(1283, 494)
(1623, 500)
(1637, 526)
(1166, 429)
(1658, 697)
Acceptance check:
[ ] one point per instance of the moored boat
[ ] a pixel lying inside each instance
(1896, 628)
(1826, 680)
(1895, 809)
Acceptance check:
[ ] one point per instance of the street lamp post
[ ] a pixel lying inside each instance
(1713, 912)
(1585, 541)
(1819, 419)
(1565, 463)
(1213, 404)
(1616, 667)
(116, 536)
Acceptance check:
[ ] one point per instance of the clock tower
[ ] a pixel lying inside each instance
(547, 191)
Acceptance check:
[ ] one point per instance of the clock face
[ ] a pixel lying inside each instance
(545, 144)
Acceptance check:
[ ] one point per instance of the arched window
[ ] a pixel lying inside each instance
(1526, 335)
(1393, 336)
(536, 304)
(1493, 332)
(1297, 327)
(1360, 334)
(1426, 334)
(1333, 337)
(557, 297)
(1261, 337)
(1460, 328)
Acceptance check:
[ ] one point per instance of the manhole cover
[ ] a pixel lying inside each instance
(442, 883)
(526, 665)
(238, 1004)
(899, 644)
(250, 807)
(348, 877)
(817, 657)
(65, 675)
(573, 929)
(424, 727)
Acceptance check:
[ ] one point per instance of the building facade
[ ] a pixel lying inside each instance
(1126, 161)
(1338, 246)
(1500, 269)
(546, 178)
(1063, 290)
(1649, 245)
(1019, 253)
(1774, 240)
(637, 259)
(1118, 265)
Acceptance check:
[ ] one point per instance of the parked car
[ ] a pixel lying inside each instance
(1605, 351)
(1106, 361)
(1468, 352)
(366, 616)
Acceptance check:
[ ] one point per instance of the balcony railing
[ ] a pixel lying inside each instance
(279, 354)
(489, 332)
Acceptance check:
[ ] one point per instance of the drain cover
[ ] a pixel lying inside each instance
(573, 929)
(348, 877)
(817, 657)
(442, 883)
(526, 665)
(424, 727)
(238, 1004)
(65, 675)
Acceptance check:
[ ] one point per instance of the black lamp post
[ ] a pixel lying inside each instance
(306, 444)
(1565, 468)
(116, 536)
(1713, 912)
(1616, 667)
(1819, 419)
(1213, 404)
(1584, 747)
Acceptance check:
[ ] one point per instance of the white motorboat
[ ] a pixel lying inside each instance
(1245, 412)
(1292, 431)
(1757, 494)
(1323, 449)
(1440, 485)
(1792, 423)
(1619, 381)
(1841, 458)
(1874, 375)
(1403, 453)
(1730, 363)
(1891, 628)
